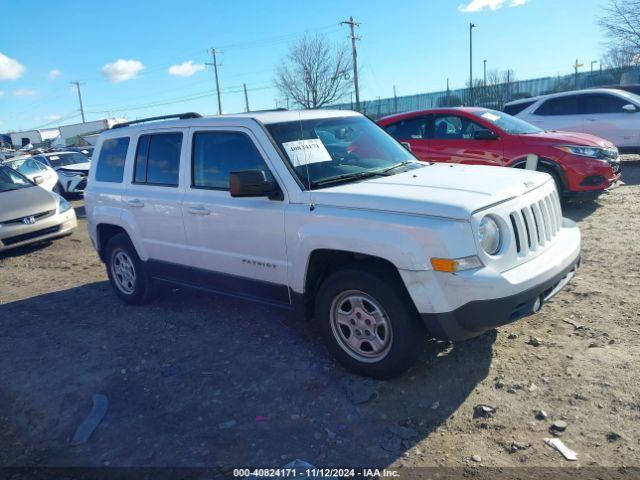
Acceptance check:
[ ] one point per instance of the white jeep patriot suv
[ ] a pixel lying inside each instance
(324, 213)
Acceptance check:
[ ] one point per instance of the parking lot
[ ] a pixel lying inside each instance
(199, 380)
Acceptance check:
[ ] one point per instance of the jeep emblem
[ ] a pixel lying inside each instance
(529, 184)
(29, 220)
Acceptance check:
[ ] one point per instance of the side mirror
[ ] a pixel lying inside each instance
(252, 183)
(629, 107)
(38, 180)
(484, 135)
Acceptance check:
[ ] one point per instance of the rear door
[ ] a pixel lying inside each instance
(237, 245)
(559, 113)
(604, 117)
(153, 199)
(412, 133)
(453, 141)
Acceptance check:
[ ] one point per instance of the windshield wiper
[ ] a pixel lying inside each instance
(346, 177)
(398, 165)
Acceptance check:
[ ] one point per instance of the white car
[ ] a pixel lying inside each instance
(72, 169)
(39, 173)
(605, 112)
(323, 212)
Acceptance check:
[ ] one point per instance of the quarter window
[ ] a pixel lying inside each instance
(216, 154)
(110, 166)
(158, 159)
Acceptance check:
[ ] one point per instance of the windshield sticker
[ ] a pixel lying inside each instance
(491, 116)
(54, 157)
(304, 152)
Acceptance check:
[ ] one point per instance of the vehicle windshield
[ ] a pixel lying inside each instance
(12, 180)
(64, 159)
(635, 98)
(327, 151)
(509, 124)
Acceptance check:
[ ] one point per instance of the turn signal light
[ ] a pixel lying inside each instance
(452, 265)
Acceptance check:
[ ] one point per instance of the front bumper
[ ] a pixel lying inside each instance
(475, 318)
(54, 226)
(466, 304)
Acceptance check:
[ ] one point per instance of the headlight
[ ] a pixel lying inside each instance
(63, 205)
(590, 152)
(489, 235)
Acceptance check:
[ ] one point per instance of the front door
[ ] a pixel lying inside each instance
(453, 140)
(237, 245)
(605, 117)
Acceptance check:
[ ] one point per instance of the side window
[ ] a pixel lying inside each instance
(110, 166)
(454, 127)
(559, 106)
(158, 159)
(216, 154)
(410, 128)
(601, 103)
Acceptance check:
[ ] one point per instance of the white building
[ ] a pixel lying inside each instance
(63, 135)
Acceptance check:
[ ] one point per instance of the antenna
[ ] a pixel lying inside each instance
(312, 206)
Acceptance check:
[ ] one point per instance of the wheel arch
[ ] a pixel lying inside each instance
(544, 162)
(322, 262)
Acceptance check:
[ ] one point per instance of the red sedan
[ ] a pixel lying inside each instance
(581, 164)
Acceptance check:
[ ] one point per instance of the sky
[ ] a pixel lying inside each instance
(139, 58)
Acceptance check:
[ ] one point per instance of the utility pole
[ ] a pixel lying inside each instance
(215, 71)
(484, 67)
(395, 100)
(77, 84)
(246, 98)
(593, 62)
(471, 27)
(576, 66)
(352, 24)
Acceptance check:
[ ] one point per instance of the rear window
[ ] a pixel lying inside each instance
(517, 108)
(110, 166)
(158, 159)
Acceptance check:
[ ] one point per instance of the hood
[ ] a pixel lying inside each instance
(25, 202)
(439, 189)
(568, 138)
(77, 167)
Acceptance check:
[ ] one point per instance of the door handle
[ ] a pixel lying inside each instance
(134, 202)
(199, 211)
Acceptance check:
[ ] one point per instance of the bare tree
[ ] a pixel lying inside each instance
(621, 24)
(314, 73)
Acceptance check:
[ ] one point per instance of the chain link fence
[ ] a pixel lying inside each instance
(494, 95)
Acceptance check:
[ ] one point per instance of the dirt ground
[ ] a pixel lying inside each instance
(197, 380)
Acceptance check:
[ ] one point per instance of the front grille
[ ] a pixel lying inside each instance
(28, 236)
(536, 224)
(81, 185)
(37, 216)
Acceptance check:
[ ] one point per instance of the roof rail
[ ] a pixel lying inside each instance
(181, 116)
(279, 109)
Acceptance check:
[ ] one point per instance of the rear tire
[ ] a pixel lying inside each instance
(368, 323)
(127, 273)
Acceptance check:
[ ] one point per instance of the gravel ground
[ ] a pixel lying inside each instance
(198, 380)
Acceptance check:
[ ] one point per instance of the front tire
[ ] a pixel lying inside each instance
(127, 273)
(368, 323)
